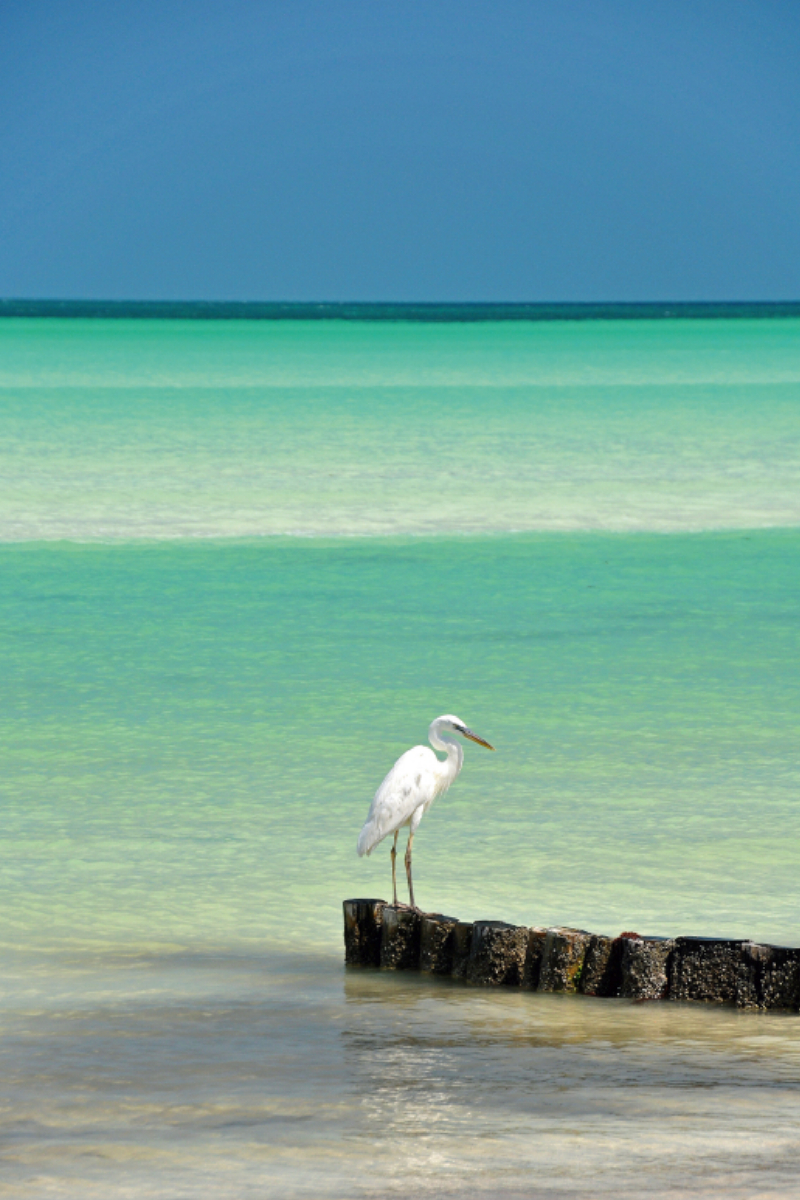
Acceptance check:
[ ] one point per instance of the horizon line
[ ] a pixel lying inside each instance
(403, 310)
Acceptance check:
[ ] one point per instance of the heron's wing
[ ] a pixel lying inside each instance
(412, 781)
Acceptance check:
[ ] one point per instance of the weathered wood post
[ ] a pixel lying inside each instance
(602, 967)
(400, 938)
(562, 959)
(772, 974)
(645, 967)
(534, 950)
(362, 932)
(750, 973)
(437, 943)
(462, 944)
(497, 954)
(705, 969)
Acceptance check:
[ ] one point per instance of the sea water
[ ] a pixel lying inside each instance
(243, 565)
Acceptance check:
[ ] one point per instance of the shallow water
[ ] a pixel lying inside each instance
(196, 1075)
(191, 731)
(237, 428)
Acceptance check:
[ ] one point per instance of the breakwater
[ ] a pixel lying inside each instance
(750, 975)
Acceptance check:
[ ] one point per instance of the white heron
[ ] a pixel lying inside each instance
(411, 787)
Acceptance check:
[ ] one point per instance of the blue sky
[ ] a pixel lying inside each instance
(308, 150)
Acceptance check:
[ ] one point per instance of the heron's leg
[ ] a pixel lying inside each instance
(408, 868)
(394, 870)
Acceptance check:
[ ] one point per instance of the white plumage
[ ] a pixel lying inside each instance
(414, 782)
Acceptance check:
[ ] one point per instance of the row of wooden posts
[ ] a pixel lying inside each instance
(747, 974)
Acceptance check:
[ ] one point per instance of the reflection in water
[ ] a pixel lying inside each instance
(476, 1090)
(272, 1076)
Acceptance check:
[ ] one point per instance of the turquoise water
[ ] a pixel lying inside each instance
(159, 429)
(584, 540)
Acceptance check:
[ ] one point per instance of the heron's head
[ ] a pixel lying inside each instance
(457, 726)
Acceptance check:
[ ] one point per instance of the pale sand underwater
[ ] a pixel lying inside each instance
(164, 429)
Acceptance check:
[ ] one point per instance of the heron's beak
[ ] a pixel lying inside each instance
(473, 737)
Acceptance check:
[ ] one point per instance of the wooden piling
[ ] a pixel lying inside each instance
(747, 974)
(705, 969)
(462, 944)
(602, 966)
(750, 974)
(560, 959)
(362, 932)
(497, 954)
(437, 943)
(779, 984)
(532, 969)
(645, 968)
(400, 938)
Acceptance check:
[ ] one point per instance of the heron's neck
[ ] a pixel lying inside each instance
(454, 751)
